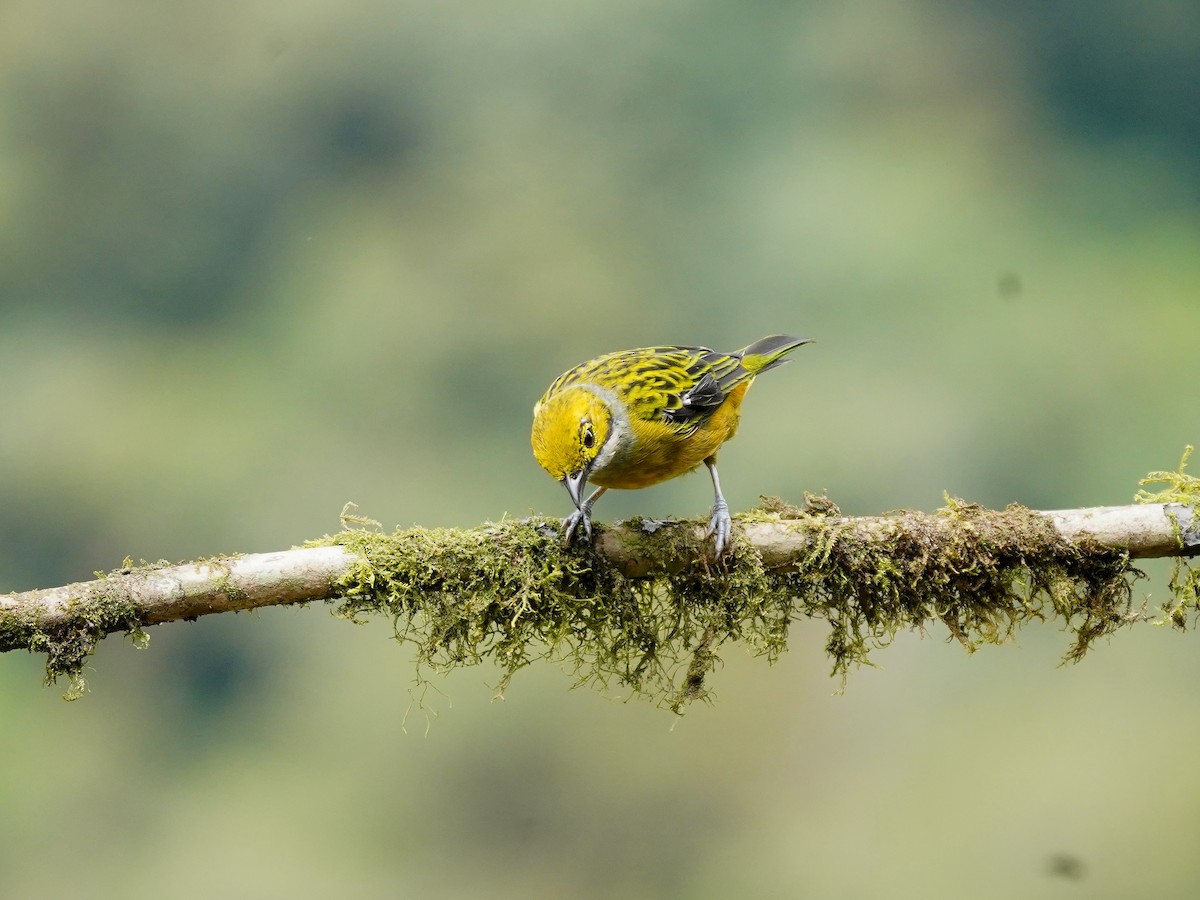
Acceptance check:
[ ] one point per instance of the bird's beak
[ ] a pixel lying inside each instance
(574, 484)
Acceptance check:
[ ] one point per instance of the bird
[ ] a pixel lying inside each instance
(635, 418)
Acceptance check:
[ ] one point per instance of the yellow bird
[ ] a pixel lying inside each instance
(637, 417)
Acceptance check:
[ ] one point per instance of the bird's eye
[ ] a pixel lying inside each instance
(589, 436)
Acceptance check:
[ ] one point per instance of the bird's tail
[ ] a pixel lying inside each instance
(769, 352)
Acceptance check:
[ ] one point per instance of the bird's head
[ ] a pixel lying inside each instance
(570, 429)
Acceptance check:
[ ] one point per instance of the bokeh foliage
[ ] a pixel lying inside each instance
(257, 261)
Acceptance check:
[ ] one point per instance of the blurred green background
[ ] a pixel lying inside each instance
(260, 259)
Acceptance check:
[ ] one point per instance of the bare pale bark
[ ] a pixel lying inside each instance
(221, 584)
(1146, 531)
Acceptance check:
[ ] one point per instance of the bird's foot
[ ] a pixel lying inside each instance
(572, 525)
(721, 526)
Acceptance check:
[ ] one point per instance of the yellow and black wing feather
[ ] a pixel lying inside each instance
(678, 385)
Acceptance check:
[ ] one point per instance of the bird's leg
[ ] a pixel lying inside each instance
(720, 524)
(581, 516)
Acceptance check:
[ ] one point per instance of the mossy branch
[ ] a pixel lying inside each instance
(648, 607)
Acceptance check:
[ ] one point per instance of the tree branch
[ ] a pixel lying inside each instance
(531, 573)
(302, 575)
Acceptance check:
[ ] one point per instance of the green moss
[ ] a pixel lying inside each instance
(509, 593)
(222, 583)
(68, 646)
(1184, 490)
(506, 592)
(98, 609)
(1180, 486)
(652, 614)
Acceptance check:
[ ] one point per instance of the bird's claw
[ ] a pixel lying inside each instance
(720, 525)
(572, 523)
